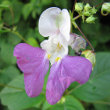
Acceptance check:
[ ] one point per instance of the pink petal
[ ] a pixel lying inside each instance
(70, 69)
(34, 65)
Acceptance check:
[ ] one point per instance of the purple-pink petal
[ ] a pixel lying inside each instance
(62, 75)
(34, 65)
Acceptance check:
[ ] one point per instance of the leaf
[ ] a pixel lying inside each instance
(101, 107)
(46, 106)
(13, 14)
(27, 9)
(13, 39)
(6, 53)
(15, 97)
(38, 36)
(61, 3)
(97, 88)
(32, 42)
(7, 74)
(70, 103)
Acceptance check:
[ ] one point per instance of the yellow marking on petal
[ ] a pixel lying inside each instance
(48, 56)
(59, 46)
(57, 59)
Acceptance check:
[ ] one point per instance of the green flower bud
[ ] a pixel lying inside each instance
(87, 13)
(93, 10)
(62, 100)
(90, 19)
(106, 8)
(90, 56)
(78, 7)
(87, 7)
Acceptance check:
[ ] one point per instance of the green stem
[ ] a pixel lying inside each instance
(16, 33)
(74, 6)
(19, 35)
(76, 17)
(86, 39)
(12, 14)
(4, 85)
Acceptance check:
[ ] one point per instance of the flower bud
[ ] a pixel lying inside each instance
(106, 8)
(90, 55)
(93, 10)
(62, 100)
(87, 13)
(87, 7)
(90, 19)
(78, 7)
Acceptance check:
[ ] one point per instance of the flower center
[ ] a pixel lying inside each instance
(58, 47)
(57, 59)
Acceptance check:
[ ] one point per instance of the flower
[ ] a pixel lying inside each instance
(54, 23)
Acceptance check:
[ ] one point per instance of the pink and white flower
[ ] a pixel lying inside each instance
(54, 23)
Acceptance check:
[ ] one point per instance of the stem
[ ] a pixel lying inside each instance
(12, 14)
(74, 6)
(4, 85)
(19, 35)
(16, 33)
(85, 38)
(76, 17)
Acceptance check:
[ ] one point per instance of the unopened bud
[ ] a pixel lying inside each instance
(90, 55)
(78, 7)
(105, 8)
(93, 10)
(87, 13)
(90, 19)
(62, 100)
(87, 7)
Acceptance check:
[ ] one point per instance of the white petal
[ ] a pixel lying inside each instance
(52, 48)
(65, 24)
(47, 22)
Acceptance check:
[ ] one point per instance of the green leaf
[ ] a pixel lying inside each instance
(7, 74)
(27, 9)
(32, 42)
(6, 53)
(13, 39)
(38, 36)
(5, 4)
(101, 107)
(68, 103)
(97, 88)
(14, 96)
(13, 14)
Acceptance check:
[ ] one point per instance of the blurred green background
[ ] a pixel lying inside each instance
(19, 23)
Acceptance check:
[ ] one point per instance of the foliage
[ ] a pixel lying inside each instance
(19, 23)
